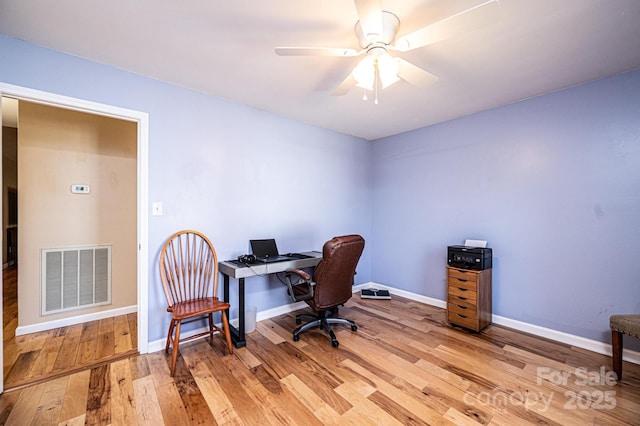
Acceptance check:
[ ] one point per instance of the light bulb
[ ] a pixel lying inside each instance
(365, 73)
(388, 68)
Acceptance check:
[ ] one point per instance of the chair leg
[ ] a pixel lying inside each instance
(227, 332)
(211, 326)
(175, 350)
(303, 327)
(616, 346)
(169, 334)
(327, 327)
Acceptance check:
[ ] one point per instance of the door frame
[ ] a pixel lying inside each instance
(142, 120)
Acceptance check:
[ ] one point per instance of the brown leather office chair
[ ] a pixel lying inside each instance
(189, 273)
(330, 287)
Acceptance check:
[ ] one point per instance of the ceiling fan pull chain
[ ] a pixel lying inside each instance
(364, 94)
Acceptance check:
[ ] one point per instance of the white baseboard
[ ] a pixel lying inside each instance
(159, 345)
(558, 336)
(403, 293)
(78, 319)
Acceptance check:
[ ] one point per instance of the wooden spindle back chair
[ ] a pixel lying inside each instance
(189, 273)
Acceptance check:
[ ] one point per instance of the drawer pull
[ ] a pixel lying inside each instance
(462, 298)
(462, 307)
(460, 279)
(461, 316)
(462, 289)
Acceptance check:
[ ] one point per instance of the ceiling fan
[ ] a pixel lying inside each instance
(376, 31)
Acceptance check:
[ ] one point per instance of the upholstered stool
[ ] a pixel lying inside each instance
(622, 324)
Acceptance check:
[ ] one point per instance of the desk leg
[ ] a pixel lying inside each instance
(241, 337)
(237, 334)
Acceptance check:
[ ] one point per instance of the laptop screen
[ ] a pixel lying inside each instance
(264, 248)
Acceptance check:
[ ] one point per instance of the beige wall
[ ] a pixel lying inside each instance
(58, 148)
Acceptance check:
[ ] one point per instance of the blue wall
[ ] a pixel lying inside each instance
(553, 184)
(209, 161)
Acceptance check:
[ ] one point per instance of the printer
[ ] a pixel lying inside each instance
(466, 257)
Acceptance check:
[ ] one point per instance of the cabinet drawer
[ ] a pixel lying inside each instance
(462, 293)
(463, 301)
(463, 319)
(462, 279)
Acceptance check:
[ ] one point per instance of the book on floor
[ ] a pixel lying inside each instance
(374, 293)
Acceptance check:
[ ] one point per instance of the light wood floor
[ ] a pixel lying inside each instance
(404, 365)
(37, 357)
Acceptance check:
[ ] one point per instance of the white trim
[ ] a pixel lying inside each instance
(142, 118)
(403, 293)
(159, 345)
(79, 319)
(559, 336)
(1, 256)
(562, 337)
(143, 233)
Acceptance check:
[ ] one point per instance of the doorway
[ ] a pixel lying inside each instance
(141, 122)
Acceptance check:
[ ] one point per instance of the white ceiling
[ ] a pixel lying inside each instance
(226, 49)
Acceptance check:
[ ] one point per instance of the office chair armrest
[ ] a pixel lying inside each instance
(302, 289)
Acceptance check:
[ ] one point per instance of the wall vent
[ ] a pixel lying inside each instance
(75, 278)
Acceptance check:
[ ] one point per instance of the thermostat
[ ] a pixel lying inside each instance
(80, 189)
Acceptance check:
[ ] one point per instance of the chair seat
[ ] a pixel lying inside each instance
(191, 308)
(626, 324)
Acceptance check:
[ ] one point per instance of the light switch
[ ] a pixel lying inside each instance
(156, 208)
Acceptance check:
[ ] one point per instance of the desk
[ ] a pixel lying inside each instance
(240, 272)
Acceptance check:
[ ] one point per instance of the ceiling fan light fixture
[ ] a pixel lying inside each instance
(365, 73)
(388, 68)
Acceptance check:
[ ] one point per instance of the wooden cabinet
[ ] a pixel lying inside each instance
(469, 298)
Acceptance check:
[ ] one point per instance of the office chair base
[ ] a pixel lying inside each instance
(324, 321)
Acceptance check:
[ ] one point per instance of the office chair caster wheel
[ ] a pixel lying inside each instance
(334, 343)
(298, 321)
(354, 328)
(296, 338)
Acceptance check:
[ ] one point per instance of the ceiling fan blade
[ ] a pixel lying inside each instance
(415, 75)
(315, 51)
(345, 86)
(370, 15)
(456, 24)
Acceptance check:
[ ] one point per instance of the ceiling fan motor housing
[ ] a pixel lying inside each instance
(390, 25)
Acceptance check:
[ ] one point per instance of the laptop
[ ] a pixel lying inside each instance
(266, 251)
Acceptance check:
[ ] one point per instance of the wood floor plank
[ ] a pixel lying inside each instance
(21, 369)
(47, 357)
(7, 404)
(246, 356)
(323, 411)
(218, 402)
(99, 396)
(223, 369)
(68, 353)
(86, 351)
(75, 398)
(147, 409)
(105, 345)
(122, 334)
(364, 410)
(123, 407)
(194, 403)
(50, 406)
(171, 406)
(26, 406)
